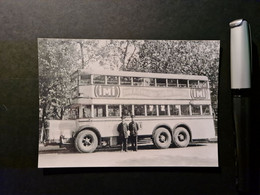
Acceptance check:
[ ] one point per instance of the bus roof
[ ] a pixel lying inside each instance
(139, 74)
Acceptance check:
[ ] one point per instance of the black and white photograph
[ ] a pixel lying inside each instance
(128, 103)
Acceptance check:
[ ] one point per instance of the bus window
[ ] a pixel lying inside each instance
(151, 110)
(175, 110)
(112, 80)
(149, 82)
(161, 82)
(87, 111)
(203, 84)
(138, 81)
(139, 110)
(99, 110)
(185, 110)
(125, 80)
(193, 84)
(126, 110)
(99, 79)
(172, 82)
(205, 110)
(85, 79)
(163, 110)
(183, 83)
(113, 110)
(195, 109)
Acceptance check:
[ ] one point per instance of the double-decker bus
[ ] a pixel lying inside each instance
(169, 108)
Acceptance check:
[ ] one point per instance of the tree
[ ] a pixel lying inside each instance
(55, 63)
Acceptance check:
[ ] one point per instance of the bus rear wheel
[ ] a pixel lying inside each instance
(162, 138)
(181, 137)
(86, 141)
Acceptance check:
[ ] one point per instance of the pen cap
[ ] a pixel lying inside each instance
(240, 54)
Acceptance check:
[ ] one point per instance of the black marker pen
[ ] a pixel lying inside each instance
(240, 58)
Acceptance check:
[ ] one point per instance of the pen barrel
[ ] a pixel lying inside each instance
(241, 109)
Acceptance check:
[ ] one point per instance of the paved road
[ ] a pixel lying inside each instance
(199, 155)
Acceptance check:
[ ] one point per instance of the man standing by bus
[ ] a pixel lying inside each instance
(133, 128)
(123, 135)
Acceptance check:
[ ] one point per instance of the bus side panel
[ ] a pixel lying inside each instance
(201, 128)
(106, 128)
(60, 128)
(87, 91)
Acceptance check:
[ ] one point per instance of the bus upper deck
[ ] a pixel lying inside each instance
(138, 85)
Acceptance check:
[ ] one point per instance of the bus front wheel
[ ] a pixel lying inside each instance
(181, 137)
(162, 138)
(86, 141)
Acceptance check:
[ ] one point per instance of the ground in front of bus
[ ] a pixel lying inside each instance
(197, 155)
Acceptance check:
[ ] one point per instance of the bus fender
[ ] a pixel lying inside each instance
(162, 125)
(184, 126)
(84, 127)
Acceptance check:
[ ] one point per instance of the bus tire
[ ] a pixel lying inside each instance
(162, 138)
(86, 141)
(181, 137)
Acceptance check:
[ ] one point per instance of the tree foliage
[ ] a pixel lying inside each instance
(58, 58)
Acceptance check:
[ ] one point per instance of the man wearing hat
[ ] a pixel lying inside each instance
(133, 128)
(123, 135)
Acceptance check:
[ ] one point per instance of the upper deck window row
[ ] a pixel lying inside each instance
(141, 81)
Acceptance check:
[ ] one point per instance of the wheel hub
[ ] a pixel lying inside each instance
(162, 138)
(181, 137)
(86, 141)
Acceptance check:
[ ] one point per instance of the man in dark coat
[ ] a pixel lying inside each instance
(133, 128)
(123, 135)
